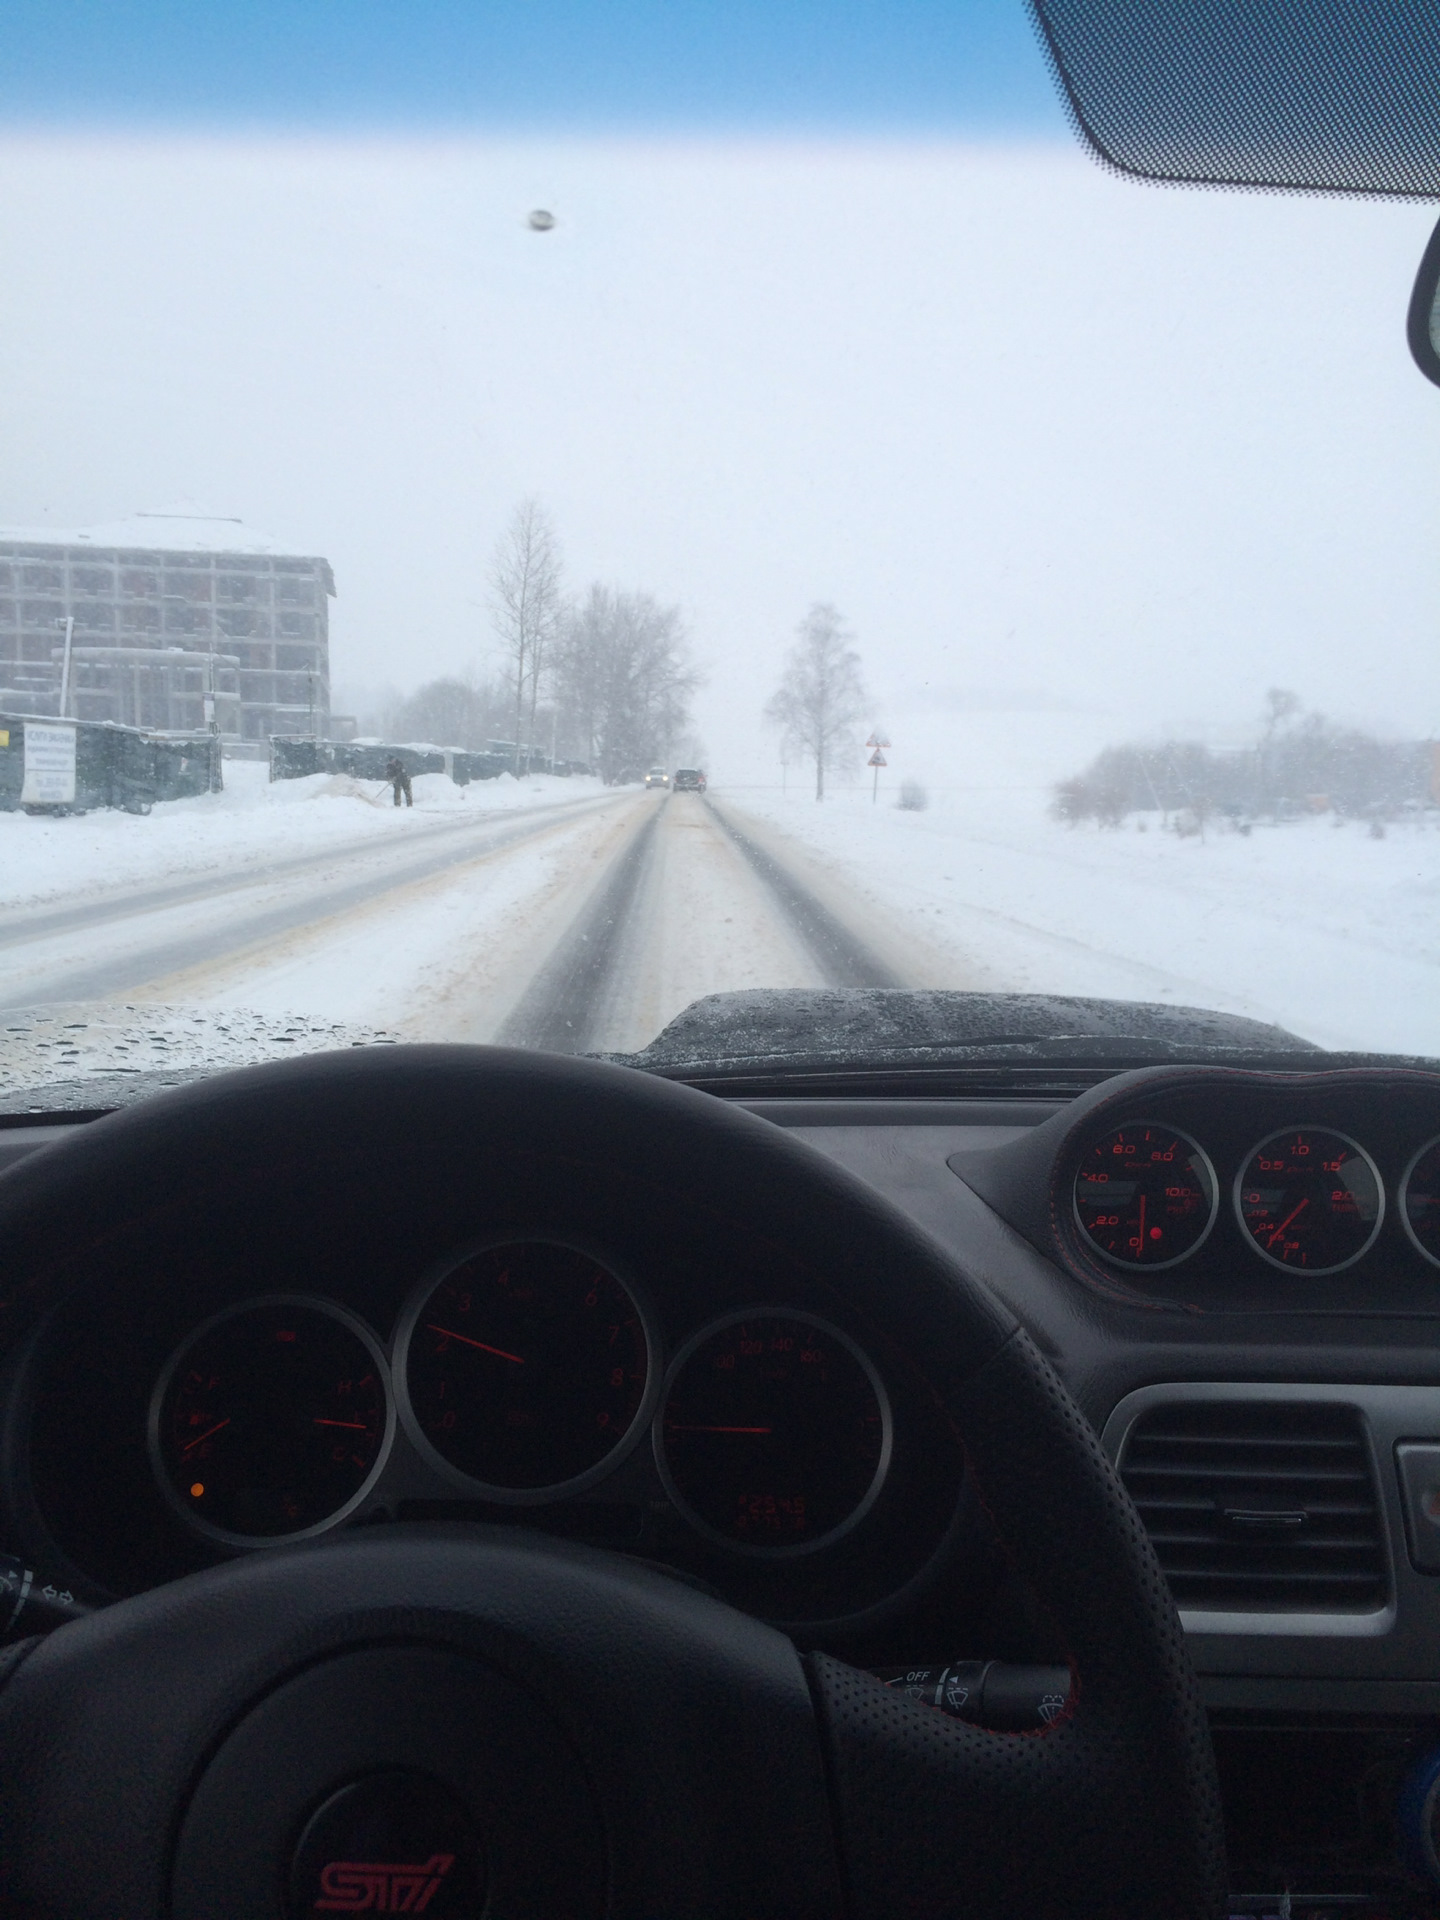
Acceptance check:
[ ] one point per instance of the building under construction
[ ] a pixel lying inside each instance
(164, 621)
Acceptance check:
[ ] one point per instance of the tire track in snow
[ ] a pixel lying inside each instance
(841, 957)
(571, 997)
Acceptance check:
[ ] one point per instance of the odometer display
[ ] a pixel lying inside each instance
(1420, 1201)
(270, 1420)
(1309, 1199)
(775, 1433)
(1145, 1195)
(526, 1368)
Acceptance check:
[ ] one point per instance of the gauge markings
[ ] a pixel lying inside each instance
(1309, 1200)
(525, 1368)
(1145, 1195)
(270, 1420)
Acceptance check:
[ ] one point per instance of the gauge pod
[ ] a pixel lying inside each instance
(526, 1370)
(775, 1436)
(1145, 1196)
(271, 1421)
(1309, 1200)
(1420, 1201)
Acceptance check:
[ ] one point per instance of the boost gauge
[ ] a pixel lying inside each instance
(1145, 1195)
(1309, 1199)
(1420, 1201)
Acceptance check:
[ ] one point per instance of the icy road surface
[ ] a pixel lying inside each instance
(555, 913)
(548, 913)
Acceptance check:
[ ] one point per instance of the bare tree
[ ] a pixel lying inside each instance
(526, 606)
(623, 680)
(821, 695)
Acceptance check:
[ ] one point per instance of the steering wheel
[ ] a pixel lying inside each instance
(578, 1731)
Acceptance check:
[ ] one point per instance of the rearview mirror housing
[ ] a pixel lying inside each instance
(1423, 325)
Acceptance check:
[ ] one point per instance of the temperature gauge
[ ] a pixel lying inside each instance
(1309, 1198)
(1145, 1195)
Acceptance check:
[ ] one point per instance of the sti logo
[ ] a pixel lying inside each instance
(365, 1886)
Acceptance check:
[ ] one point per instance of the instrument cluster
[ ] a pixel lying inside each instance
(525, 1380)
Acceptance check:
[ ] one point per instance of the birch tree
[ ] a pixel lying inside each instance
(821, 694)
(526, 606)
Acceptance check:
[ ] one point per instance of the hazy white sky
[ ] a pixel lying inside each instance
(1038, 432)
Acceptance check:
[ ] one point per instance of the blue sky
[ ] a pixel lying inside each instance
(964, 67)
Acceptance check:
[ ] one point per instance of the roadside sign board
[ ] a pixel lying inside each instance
(49, 766)
(877, 759)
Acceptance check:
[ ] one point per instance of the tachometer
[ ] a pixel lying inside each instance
(775, 1434)
(1145, 1195)
(1420, 1201)
(1309, 1198)
(526, 1369)
(271, 1420)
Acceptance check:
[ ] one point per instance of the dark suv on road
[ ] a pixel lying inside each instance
(688, 780)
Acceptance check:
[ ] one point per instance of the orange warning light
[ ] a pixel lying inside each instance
(197, 1489)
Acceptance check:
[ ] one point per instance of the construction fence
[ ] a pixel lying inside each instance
(292, 757)
(75, 766)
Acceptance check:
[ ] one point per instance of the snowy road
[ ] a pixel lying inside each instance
(578, 926)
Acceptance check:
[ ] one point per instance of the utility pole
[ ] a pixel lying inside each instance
(69, 625)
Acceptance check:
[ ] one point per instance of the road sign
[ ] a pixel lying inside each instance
(877, 759)
(877, 739)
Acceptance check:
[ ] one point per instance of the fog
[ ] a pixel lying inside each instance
(1054, 443)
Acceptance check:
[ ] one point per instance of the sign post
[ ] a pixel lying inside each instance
(877, 760)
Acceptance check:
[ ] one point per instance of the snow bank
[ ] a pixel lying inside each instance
(252, 823)
(1313, 924)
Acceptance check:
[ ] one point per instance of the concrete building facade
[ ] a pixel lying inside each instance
(170, 609)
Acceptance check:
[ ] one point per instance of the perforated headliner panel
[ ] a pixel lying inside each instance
(1327, 96)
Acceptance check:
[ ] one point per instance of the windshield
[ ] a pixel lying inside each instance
(517, 521)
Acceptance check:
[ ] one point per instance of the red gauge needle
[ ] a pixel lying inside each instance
(1142, 1223)
(672, 1426)
(1286, 1221)
(464, 1338)
(200, 1438)
(354, 1426)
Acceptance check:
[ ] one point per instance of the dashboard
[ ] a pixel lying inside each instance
(1237, 1274)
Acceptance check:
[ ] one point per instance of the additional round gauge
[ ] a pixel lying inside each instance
(526, 1369)
(1309, 1199)
(1145, 1195)
(775, 1435)
(1420, 1200)
(271, 1420)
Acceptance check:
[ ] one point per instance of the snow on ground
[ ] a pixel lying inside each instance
(1312, 924)
(254, 822)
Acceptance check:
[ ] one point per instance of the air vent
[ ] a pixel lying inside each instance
(1258, 1506)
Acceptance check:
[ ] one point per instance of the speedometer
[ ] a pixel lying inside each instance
(525, 1370)
(1309, 1198)
(775, 1434)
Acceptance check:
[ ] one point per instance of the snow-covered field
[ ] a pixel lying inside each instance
(1312, 924)
(253, 823)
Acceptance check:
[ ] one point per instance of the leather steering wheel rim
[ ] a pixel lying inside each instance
(859, 1800)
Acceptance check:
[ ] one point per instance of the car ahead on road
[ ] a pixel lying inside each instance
(657, 777)
(688, 780)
